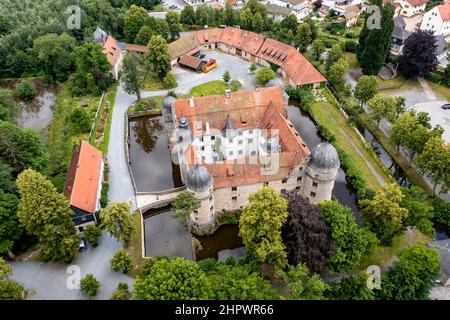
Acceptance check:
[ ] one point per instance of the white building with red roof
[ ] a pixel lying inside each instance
(411, 8)
(437, 20)
(113, 53)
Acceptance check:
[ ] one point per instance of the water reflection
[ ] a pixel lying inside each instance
(151, 164)
(226, 237)
(37, 113)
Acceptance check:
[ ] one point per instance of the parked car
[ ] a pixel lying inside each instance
(83, 244)
(446, 106)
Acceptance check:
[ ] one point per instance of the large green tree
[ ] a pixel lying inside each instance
(45, 213)
(301, 285)
(52, 55)
(260, 226)
(158, 56)
(366, 88)
(173, 22)
(10, 229)
(116, 219)
(352, 242)
(9, 289)
(187, 16)
(134, 19)
(382, 107)
(184, 204)
(136, 70)
(336, 73)
(8, 107)
(412, 276)
(383, 213)
(334, 54)
(353, 287)
(175, 279)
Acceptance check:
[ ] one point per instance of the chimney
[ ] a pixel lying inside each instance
(191, 102)
(227, 93)
(207, 128)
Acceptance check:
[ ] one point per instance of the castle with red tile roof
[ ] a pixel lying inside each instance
(229, 146)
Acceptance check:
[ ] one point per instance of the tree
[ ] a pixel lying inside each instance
(290, 23)
(175, 279)
(306, 235)
(230, 15)
(117, 220)
(419, 55)
(89, 286)
(235, 85)
(135, 72)
(184, 204)
(25, 90)
(10, 229)
(52, 55)
(401, 127)
(79, 121)
(134, 19)
(21, 148)
(317, 48)
(9, 289)
(122, 292)
(383, 213)
(374, 43)
(260, 226)
(158, 56)
(121, 261)
(253, 67)
(264, 75)
(45, 213)
(412, 276)
(187, 16)
(435, 160)
(226, 76)
(302, 286)
(333, 56)
(144, 35)
(353, 287)
(336, 73)
(303, 37)
(246, 19)
(8, 107)
(419, 208)
(170, 81)
(238, 283)
(382, 107)
(201, 16)
(366, 88)
(173, 22)
(352, 242)
(92, 233)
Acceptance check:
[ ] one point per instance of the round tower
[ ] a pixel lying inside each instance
(200, 183)
(321, 173)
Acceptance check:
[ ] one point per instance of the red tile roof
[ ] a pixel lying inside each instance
(263, 108)
(136, 48)
(190, 61)
(112, 50)
(81, 188)
(246, 40)
(444, 11)
(416, 3)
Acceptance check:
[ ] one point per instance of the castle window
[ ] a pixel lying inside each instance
(240, 152)
(203, 148)
(196, 211)
(210, 198)
(213, 138)
(240, 142)
(297, 188)
(284, 180)
(231, 153)
(300, 169)
(240, 133)
(253, 153)
(299, 178)
(234, 198)
(283, 190)
(250, 131)
(211, 209)
(314, 184)
(250, 140)
(313, 194)
(233, 188)
(265, 183)
(201, 139)
(231, 140)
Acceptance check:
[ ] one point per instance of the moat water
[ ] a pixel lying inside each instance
(153, 170)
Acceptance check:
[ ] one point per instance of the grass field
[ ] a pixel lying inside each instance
(328, 115)
(208, 88)
(385, 256)
(153, 83)
(134, 250)
(441, 90)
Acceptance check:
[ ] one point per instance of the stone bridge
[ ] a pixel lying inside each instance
(152, 200)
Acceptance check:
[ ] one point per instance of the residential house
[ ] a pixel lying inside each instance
(437, 20)
(399, 35)
(113, 52)
(84, 184)
(277, 12)
(326, 7)
(411, 8)
(349, 13)
(100, 35)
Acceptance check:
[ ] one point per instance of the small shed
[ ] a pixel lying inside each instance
(191, 62)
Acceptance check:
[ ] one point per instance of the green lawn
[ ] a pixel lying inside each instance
(111, 97)
(134, 250)
(440, 89)
(146, 104)
(384, 256)
(153, 83)
(208, 89)
(351, 60)
(329, 116)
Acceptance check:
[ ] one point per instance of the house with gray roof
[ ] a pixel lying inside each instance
(399, 36)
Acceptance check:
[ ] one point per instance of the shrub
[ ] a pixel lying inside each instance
(121, 261)
(121, 293)
(351, 35)
(89, 286)
(92, 233)
(350, 46)
(79, 121)
(208, 265)
(442, 212)
(170, 81)
(264, 75)
(303, 95)
(353, 174)
(25, 90)
(172, 94)
(235, 85)
(326, 134)
(104, 194)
